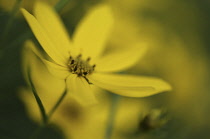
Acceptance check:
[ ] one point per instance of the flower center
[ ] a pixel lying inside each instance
(80, 67)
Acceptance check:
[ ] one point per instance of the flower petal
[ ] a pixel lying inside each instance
(121, 59)
(55, 69)
(44, 82)
(54, 27)
(93, 31)
(80, 89)
(43, 38)
(128, 85)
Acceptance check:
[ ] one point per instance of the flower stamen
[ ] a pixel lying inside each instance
(80, 67)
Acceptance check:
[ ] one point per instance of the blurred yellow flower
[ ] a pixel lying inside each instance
(80, 61)
(175, 54)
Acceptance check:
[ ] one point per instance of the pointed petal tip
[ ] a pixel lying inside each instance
(40, 2)
(24, 12)
(164, 86)
(22, 9)
(168, 87)
(130, 86)
(93, 31)
(103, 7)
(123, 58)
(106, 11)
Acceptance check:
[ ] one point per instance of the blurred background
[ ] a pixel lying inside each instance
(178, 36)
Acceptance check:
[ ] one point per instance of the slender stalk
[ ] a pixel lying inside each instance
(38, 100)
(57, 104)
(45, 117)
(111, 118)
(10, 20)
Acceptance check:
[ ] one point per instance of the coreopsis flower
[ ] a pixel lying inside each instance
(80, 60)
(74, 120)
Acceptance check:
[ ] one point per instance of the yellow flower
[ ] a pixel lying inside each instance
(80, 61)
(74, 120)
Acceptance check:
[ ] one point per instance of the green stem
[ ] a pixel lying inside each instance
(38, 100)
(57, 104)
(59, 6)
(45, 117)
(111, 118)
(10, 20)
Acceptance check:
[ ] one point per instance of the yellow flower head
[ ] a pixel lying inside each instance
(80, 60)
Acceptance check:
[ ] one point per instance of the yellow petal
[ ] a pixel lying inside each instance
(128, 85)
(44, 39)
(54, 27)
(93, 31)
(43, 81)
(55, 69)
(121, 59)
(80, 89)
(30, 46)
